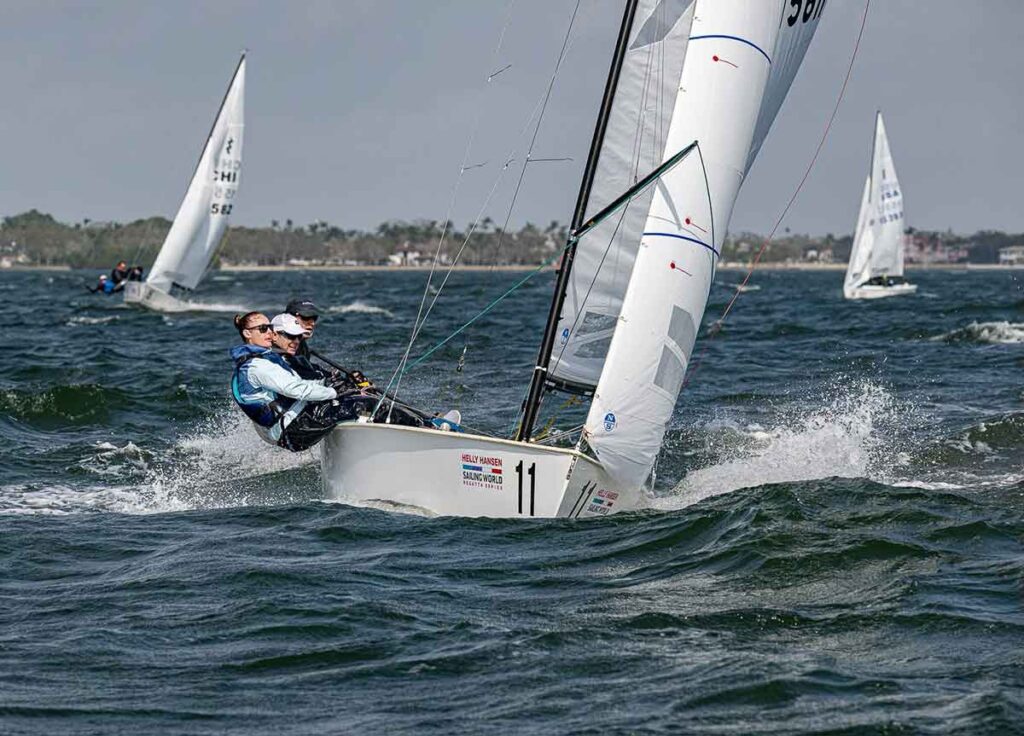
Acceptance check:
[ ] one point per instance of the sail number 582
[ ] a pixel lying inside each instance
(806, 9)
(220, 209)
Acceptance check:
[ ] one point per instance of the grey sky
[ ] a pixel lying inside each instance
(358, 111)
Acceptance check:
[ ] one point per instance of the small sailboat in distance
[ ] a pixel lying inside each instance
(876, 258)
(634, 278)
(202, 219)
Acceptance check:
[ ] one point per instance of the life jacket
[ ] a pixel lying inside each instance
(261, 405)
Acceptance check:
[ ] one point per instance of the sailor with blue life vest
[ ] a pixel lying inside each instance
(104, 285)
(286, 409)
(270, 393)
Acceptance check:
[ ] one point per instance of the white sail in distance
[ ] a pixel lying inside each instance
(724, 92)
(633, 145)
(878, 241)
(202, 219)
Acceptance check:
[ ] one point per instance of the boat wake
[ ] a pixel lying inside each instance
(88, 321)
(360, 307)
(855, 436)
(990, 333)
(220, 307)
(221, 464)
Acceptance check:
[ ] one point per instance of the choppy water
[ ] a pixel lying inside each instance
(836, 545)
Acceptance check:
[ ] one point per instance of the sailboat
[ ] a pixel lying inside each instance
(202, 219)
(876, 258)
(694, 86)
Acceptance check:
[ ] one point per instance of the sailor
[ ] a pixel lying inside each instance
(104, 285)
(289, 336)
(266, 388)
(135, 274)
(306, 314)
(119, 273)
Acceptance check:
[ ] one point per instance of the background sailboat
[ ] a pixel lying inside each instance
(631, 290)
(876, 258)
(202, 219)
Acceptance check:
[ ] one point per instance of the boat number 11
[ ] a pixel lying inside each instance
(532, 472)
(809, 9)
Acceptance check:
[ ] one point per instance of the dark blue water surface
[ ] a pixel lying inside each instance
(836, 542)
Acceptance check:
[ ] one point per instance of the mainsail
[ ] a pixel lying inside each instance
(203, 216)
(878, 241)
(729, 94)
(633, 145)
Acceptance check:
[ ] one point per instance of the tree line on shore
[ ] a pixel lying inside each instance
(36, 238)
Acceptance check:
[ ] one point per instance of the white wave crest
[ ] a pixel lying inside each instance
(77, 321)
(207, 307)
(992, 333)
(847, 438)
(217, 465)
(360, 307)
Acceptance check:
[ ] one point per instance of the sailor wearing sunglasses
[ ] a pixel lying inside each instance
(267, 389)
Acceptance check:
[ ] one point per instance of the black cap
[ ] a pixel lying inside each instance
(302, 308)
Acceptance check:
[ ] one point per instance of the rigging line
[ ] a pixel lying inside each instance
(792, 199)
(455, 189)
(142, 243)
(508, 292)
(540, 118)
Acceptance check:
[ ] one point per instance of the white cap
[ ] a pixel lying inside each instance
(287, 325)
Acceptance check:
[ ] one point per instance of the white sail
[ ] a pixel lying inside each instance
(796, 29)
(203, 216)
(878, 241)
(633, 145)
(858, 270)
(721, 101)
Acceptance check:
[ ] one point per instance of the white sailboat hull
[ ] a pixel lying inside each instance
(880, 292)
(141, 294)
(458, 474)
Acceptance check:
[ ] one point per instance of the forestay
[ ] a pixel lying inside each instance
(633, 145)
(203, 216)
(721, 104)
(878, 242)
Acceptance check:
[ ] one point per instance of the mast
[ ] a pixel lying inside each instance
(540, 371)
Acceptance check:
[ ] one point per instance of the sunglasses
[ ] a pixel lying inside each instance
(290, 338)
(310, 317)
(261, 328)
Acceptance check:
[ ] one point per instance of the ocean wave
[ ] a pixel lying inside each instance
(852, 436)
(81, 320)
(192, 306)
(77, 404)
(989, 333)
(360, 307)
(222, 463)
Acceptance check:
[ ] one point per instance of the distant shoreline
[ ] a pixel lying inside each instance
(724, 266)
(396, 269)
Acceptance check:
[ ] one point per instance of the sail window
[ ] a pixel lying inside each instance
(670, 372)
(596, 322)
(594, 348)
(681, 331)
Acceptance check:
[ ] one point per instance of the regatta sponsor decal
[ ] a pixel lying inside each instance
(565, 336)
(602, 502)
(479, 471)
(609, 422)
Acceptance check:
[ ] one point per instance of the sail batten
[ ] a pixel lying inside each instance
(203, 216)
